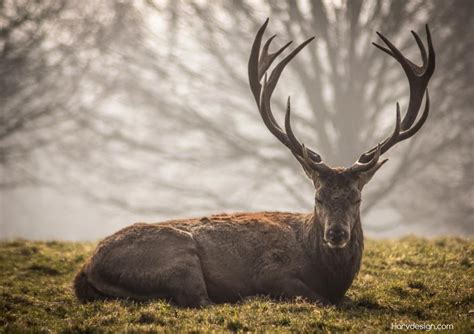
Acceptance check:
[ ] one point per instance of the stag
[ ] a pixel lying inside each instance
(223, 258)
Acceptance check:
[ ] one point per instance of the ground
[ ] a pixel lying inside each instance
(405, 281)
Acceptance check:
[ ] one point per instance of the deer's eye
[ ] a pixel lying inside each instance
(357, 201)
(319, 201)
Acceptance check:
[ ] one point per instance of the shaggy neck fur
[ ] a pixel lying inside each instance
(338, 266)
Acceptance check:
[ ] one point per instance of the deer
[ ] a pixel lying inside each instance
(227, 257)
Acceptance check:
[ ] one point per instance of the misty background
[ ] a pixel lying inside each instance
(114, 112)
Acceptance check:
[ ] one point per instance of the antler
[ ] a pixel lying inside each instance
(418, 78)
(259, 63)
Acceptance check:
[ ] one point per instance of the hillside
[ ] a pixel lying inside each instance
(405, 281)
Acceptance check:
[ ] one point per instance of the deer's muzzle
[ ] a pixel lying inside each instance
(336, 237)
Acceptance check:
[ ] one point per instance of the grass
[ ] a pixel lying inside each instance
(411, 280)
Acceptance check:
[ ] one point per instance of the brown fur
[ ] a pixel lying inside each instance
(221, 258)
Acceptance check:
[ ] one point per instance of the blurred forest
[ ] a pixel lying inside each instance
(113, 112)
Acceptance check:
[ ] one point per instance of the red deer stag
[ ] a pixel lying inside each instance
(223, 258)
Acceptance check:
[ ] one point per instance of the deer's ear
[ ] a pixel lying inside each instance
(308, 172)
(316, 181)
(364, 177)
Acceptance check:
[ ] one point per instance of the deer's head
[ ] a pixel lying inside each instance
(338, 190)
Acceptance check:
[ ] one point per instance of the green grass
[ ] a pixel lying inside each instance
(410, 280)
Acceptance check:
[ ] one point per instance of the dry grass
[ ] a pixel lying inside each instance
(404, 281)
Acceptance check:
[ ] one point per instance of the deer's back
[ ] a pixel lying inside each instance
(235, 251)
(244, 235)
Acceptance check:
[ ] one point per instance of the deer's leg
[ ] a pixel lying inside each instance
(291, 288)
(162, 265)
(180, 272)
(187, 287)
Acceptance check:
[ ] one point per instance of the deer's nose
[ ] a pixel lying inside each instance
(336, 235)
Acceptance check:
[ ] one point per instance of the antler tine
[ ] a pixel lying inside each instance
(267, 116)
(418, 78)
(396, 132)
(414, 129)
(300, 150)
(297, 146)
(253, 66)
(398, 135)
(259, 62)
(266, 58)
(275, 75)
(430, 66)
(362, 167)
(396, 53)
(320, 167)
(424, 57)
(388, 142)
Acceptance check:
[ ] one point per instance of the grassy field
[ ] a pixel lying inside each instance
(410, 280)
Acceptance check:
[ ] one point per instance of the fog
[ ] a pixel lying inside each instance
(116, 112)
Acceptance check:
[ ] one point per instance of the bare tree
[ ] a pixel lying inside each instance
(167, 114)
(444, 165)
(340, 86)
(45, 51)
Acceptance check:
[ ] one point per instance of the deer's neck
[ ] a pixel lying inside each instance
(335, 268)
